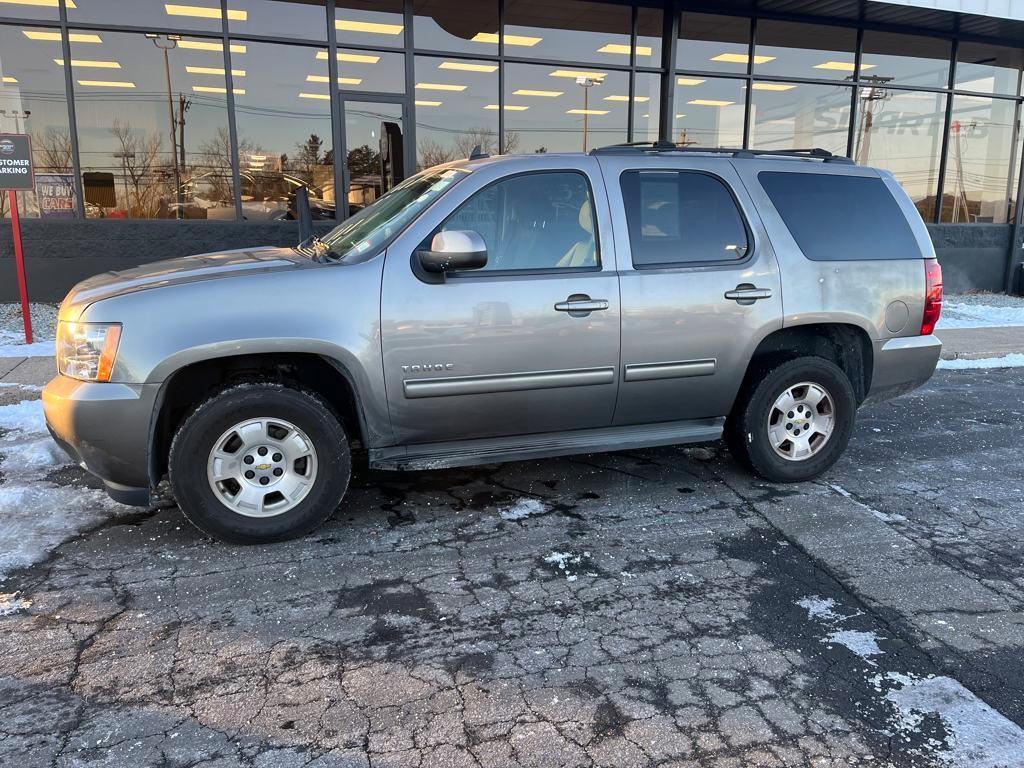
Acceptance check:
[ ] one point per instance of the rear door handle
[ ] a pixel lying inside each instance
(581, 303)
(745, 293)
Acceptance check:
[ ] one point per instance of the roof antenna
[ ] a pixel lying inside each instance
(477, 153)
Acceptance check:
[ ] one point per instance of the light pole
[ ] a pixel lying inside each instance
(586, 83)
(167, 43)
(17, 114)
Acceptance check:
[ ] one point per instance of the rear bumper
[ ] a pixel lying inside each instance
(902, 364)
(106, 429)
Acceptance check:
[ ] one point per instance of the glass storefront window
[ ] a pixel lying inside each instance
(799, 116)
(30, 9)
(988, 68)
(32, 101)
(712, 43)
(451, 25)
(568, 30)
(370, 22)
(303, 19)
(905, 59)
(708, 112)
(649, 23)
(563, 109)
(646, 107)
(148, 151)
(458, 111)
(901, 131)
(284, 132)
(980, 162)
(191, 15)
(789, 49)
(368, 71)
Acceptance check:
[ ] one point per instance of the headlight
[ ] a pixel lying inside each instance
(87, 350)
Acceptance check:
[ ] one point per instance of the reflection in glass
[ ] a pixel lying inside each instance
(708, 112)
(562, 109)
(458, 114)
(980, 167)
(370, 22)
(988, 68)
(905, 59)
(284, 132)
(304, 19)
(901, 131)
(30, 9)
(148, 151)
(649, 30)
(32, 101)
(646, 101)
(799, 116)
(191, 15)
(370, 71)
(364, 127)
(804, 50)
(713, 43)
(451, 25)
(571, 30)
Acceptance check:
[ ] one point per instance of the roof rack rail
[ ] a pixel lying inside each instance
(667, 146)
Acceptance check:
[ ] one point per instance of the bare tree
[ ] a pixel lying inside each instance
(486, 139)
(431, 153)
(53, 148)
(139, 156)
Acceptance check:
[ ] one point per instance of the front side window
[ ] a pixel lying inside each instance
(681, 217)
(533, 221)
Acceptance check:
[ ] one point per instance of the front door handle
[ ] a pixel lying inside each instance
(745, 293)
(579, 304)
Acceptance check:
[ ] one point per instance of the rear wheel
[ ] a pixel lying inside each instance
(795, 422)
(259, 463)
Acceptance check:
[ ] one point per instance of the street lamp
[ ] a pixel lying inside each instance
(16, 114)
(167, 43)
(586, 83)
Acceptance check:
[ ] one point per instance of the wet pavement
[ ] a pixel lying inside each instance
(656, 607)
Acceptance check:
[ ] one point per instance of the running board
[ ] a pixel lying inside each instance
(493, 450)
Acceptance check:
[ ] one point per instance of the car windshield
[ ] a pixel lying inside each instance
(377, 224)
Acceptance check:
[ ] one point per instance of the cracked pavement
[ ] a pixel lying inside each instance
(656, 607)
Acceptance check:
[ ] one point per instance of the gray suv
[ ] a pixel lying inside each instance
(506, 308)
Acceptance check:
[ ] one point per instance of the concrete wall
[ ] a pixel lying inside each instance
(60, 253)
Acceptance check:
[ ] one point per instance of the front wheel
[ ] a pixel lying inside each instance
(795, 422)
(258, 463)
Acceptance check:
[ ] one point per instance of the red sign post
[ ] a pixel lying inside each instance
(16, 175)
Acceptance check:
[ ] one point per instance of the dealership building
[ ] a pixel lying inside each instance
(164, 129)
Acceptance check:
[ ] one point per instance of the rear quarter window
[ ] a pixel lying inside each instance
(841, 218)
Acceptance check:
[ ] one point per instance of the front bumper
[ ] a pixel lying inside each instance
(105, 428)
(903, 364)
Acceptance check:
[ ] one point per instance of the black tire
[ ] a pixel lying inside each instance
(746, 432)
(195, 438)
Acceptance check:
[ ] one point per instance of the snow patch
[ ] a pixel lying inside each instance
(820, 608)
(961, 315)
(979, 736)
(523, 508)
(10, 603)
(885, 517)
(565, 561)
(13, 345)
(863, 644)
(1014, 360)
(36, 515)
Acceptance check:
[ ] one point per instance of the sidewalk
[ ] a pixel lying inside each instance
(957, 343)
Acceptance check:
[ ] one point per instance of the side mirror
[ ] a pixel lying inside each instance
(452, 250)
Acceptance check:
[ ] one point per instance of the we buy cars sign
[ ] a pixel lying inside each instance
(16, 162)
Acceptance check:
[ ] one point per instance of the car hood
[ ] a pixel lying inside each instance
(205, 266)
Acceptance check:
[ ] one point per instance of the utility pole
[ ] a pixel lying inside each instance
(167, 43)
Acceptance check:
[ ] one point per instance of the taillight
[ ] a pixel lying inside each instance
(932, 296)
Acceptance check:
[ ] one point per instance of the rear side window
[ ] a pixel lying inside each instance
(681, 217)
(841, 218)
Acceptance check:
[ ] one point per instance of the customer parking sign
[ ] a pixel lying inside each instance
(16, 162)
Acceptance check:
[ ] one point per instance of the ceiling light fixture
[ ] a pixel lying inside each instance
(617, 97)
(599, 76)
(492, 37)
(509, 107)
(641, 50)
(531, 92)
(356, 58)
(440, 87)
(203, 12)
(423, 103)
(465, 67)
(370, 27)
(320, 96)
(213, 71)
(203, 45)
(107, 83)
(37, 3)
(74, 37)
(772, 87)
(216, 89)
(89, 64)
(842, 66)
(689, 81)
(10, 80)
(710, 102)
(741, 58)
(586, 111)
(326, 79)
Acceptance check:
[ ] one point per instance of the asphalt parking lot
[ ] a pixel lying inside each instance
(659, 607)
